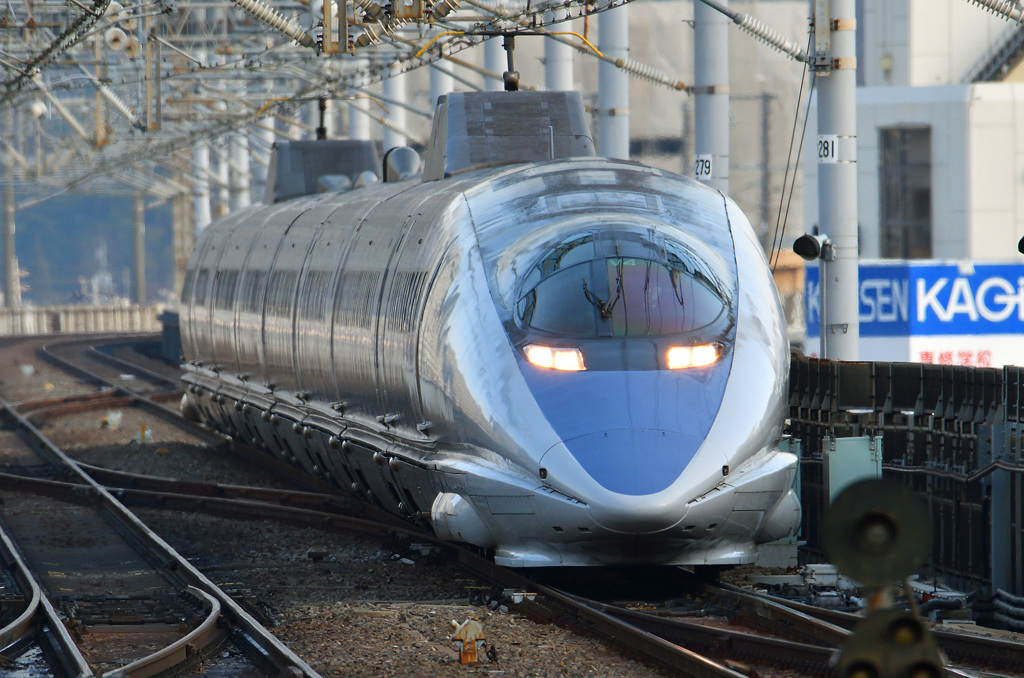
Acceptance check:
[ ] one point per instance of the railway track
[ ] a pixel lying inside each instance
(114, 577)
(804, 643)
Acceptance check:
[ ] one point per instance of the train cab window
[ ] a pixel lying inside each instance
(657, 289)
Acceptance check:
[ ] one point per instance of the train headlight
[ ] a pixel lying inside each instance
(555, 357)
(683, 357)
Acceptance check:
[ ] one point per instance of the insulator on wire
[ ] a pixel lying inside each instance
(445, 7)
(1007, 9)
(650, 73)
(770, 36)
(370, 9)
(272, 18)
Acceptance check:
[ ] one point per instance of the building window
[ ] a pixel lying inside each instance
(905, 192)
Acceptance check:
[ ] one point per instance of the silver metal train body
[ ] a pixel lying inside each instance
(569, 361)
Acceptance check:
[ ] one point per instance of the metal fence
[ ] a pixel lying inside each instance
(64, 319)
(954, 434)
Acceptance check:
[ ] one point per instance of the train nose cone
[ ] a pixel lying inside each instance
(634, 461)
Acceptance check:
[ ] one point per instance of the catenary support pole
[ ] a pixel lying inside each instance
(239, 168)
(558, 60)
(441, 81)
(140, 249)
(613, 84)
(495, 62)
(201, 188)
(11, 282)
(394, 89)
(358, 120)
(711, 101)
(837, 179)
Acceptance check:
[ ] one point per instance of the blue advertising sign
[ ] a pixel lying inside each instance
(929, 298)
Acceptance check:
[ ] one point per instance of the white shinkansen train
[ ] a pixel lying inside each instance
(564, 359)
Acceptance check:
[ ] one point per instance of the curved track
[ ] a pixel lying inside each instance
(171, 577)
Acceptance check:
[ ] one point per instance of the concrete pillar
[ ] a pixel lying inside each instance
(441, 81)
(223, 173)
(260, 155)
(711, 100)
(558, 60)
(394, 90)
(496, 62)
(613, 85)
(239, 170)
(837, 184)
(201, 188)
(140, 249)
(359, 122)
(12, 285)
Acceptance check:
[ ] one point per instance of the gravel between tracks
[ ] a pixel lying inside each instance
(19, 384)
(364, 611)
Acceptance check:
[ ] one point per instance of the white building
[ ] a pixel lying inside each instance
(940, 158)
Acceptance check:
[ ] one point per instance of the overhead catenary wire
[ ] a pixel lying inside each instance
(780, 222)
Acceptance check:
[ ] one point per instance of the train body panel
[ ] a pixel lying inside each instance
(395, 355)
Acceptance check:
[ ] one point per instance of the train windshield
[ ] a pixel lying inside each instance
(620, 285)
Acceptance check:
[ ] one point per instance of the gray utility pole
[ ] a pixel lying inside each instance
(835, 58)
(711, 103)
(613, 84)
(11, 282)
(495, 61)
(140, 249)
(558, 58)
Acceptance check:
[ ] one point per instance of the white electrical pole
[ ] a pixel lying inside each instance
(835, 52)
(394, 90)
(495, 61)
(711, 90)
(613, 84)
(239, 170)
(441, 81)
(202, 213)
(140, 248)
(558, 60)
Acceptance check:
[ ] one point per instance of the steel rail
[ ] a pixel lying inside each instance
(963, 647)
(105, 399)
(781, 616)
(127, 364)
(166, 413)
(776, 651)
(621, 632)
(292, 498)
(180, 650)
(39, 608)
(263, 641)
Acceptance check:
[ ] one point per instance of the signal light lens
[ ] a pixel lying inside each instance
(555, 358)
(684, 357)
